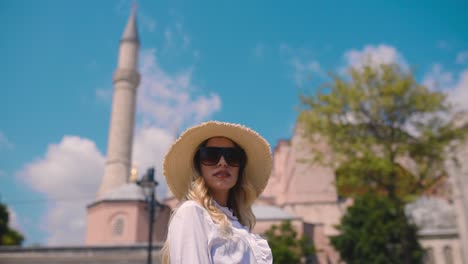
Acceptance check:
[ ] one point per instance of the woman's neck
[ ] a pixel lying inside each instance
(220, 197)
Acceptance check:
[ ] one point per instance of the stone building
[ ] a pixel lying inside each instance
(458, 175)
(438, 232)
(306, 189)
(103, 254)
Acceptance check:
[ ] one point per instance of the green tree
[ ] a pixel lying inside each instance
(8, 236)
(387, 133)
(286, 245)
(375, 230)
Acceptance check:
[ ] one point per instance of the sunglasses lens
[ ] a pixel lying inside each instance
(233, 156)
(210, 156)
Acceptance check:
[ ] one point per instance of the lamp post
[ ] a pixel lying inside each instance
(148, 184)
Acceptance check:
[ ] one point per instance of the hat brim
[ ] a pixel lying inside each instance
(178, 163)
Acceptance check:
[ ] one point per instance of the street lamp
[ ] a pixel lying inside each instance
(148, 184)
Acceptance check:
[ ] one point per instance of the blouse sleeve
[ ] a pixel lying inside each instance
(188, 235)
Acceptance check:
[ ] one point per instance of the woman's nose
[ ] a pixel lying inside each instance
(222, 162)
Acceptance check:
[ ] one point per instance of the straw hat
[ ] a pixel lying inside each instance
(178, 163)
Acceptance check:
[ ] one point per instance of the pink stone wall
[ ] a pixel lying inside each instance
(101, 221)
(296, 178)
(325, 251)
(306, 188)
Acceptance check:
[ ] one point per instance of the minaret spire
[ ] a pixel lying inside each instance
(126, 80)
(131, 32)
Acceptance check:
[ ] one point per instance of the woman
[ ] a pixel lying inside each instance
(217, 170)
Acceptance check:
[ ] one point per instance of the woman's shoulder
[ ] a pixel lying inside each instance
(193, 213)
(190, 204)
(190, 208)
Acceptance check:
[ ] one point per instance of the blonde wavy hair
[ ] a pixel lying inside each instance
(240, 200)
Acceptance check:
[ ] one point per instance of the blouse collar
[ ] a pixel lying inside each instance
(225, 210)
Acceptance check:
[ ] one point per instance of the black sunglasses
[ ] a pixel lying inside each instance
(210, 156)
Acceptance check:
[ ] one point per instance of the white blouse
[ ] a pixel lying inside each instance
(194, 238)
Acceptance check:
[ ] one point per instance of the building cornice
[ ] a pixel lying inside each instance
(115, 201)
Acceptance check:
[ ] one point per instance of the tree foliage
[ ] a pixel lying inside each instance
(376, 230)
(286, 246)
(389, 137)
(8, 236)
(387, 133)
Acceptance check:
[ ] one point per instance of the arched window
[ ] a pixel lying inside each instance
(448, 255)
(118, 226)
(429, 256)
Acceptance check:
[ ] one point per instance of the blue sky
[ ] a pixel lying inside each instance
(237, 61)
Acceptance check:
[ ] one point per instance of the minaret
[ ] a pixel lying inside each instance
(119, 215)
(126, 80)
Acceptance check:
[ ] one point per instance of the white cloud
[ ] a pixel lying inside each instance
(185, 38)
(304, 67)
(458, 94)
(166, 104)
(437, 78)
(147, 22)
(304, 71)
(169, 101)
(168, 37)
(175, 37)
(68, 174)
(5, 143)
(295, 52)
(13, 221)
(374, 56)
(104, 94)
(462, 57)
(456, 88)
(149, 147)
